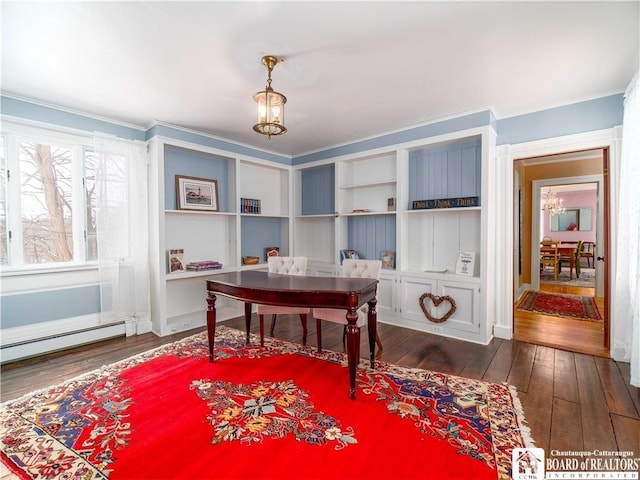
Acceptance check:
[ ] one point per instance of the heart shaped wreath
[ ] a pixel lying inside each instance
(436, 302)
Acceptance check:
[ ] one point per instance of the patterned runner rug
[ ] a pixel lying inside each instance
(573, 306)
(279, 411)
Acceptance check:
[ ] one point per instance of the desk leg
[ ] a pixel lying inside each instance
(372, 319)
(353, 349)
(211, 322)
(247, 318)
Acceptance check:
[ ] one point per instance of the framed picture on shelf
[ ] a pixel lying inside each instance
(388, 258)
(197, 193)
(344, 254)
(466, 263)
(175, 260)
(271, 252)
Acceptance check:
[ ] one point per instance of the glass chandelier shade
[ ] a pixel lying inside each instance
(270, 105)
(552, 203)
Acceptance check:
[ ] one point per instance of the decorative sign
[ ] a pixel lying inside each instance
(436, 300)
(466, 263)
(446, 203)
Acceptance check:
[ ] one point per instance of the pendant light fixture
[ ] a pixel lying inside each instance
(552, 203)
(270, 105)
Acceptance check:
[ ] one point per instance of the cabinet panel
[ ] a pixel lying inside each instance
(318, 190)
(315, 238)
(370, 235)
(466, 296)
(386, 296)
(258, 233)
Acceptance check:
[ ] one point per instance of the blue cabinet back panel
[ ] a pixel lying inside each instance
(259, 233)
(445, 171)
(318, 195)
(370, 235)
(180, 161)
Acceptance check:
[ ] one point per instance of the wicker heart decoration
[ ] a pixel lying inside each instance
(437, 301)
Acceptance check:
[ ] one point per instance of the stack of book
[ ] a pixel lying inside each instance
(204, 265)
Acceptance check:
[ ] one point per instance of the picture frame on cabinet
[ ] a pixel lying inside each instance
(175, 260)
(193, 193)
(388, 259)
(271, 252)
(466, 263)
(344, 254)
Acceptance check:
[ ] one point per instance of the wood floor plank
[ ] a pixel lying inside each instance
(483, 356)
(501, 363)
(593, 406)
(615, 390)
(565, 384)
(566, 433)
(627, 432)
(520, 374)
(540, 396)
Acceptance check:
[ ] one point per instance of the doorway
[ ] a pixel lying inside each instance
(566, 175)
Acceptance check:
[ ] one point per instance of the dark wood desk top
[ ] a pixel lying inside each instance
(276, 289)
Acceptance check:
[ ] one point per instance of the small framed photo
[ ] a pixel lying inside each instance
(271, 252)
(344, 254)
(466, 263)
(197, 193)
(175, 260)
(388, 258)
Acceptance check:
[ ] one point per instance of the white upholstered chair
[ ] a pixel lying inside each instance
(350, 268)
(284, 266)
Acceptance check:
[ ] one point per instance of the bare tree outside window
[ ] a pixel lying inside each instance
(46, 201)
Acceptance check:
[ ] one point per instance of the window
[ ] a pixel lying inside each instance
(47, 210)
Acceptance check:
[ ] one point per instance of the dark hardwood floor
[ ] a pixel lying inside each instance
(572, 401)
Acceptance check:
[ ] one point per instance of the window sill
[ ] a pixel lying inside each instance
(40, 270)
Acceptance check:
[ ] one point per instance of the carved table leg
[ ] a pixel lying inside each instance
(211, 322)
(247, 318)
(372, 318)
(353, 349)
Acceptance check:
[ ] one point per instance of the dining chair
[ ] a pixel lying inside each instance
(356, 269)
(549, 256)
(284, 266)
(587, 252)
(573, 257)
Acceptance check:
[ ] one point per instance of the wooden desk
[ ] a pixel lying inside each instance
(292, 290)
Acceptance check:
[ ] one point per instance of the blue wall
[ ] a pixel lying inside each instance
(22, 309)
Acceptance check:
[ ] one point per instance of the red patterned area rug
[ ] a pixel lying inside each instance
(574, 306)
(281, 411)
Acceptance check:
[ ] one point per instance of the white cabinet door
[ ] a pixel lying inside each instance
(465, 320)
(386, 295)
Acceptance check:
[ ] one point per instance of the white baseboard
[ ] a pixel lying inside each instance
(45, 345)
(503, 331)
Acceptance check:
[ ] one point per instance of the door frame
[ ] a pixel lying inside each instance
(535, 224)
(501, 211)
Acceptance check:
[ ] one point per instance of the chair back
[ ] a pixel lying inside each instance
(287, 265)
(361, 268)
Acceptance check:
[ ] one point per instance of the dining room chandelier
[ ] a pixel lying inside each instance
(552, 203)
(270, 105)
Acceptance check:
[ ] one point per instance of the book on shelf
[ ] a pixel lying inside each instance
(203, 265)
(250, 205)
(175, 260)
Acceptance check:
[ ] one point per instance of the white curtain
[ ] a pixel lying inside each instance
(123, 232)
(626, 308)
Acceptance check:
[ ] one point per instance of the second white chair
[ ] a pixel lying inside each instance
(350, 268)
(284, 266)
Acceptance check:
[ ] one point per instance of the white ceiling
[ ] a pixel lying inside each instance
(352, 69)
